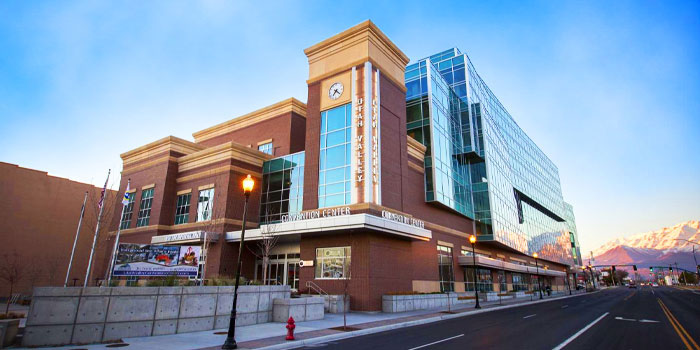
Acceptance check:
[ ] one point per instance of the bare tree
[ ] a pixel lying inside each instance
(346, 282)
(266, 244)
(213, 228)
(11, 272)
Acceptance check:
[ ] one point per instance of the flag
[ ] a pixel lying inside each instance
(104, 189)
(127, 195)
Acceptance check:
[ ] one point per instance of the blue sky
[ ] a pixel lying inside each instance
(609, 90)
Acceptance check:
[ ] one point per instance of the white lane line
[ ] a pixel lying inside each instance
(625, 319)
(528, 316)
(566, 342)
(648, 321)
(435, 342)
(565, 306)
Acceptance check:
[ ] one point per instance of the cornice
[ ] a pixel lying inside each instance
(224, 151)
(262, 114)
(166, 144)
(415, 148)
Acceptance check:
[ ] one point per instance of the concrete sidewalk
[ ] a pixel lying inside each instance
(271, 335)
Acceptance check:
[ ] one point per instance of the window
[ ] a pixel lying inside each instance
(333, 263)
(445, 270)
(145, 207)
(282, 190)
(334, 180)
(265, 148)
(205, 204)
(182, 209)
(484, 282)
(128, 212)
(520, 282)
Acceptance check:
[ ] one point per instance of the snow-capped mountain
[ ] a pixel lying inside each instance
(656, 248)
(664, 239)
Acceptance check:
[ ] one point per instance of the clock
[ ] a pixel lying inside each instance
(335, 91)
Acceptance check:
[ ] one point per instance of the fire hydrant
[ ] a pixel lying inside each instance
(290, 328)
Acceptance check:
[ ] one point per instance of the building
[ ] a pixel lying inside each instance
(39, 218)
(374, 185)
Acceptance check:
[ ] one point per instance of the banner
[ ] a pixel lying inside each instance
(157, 260)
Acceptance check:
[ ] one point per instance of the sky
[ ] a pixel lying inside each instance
(609, 90)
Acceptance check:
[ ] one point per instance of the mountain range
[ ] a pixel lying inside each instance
(662, 247)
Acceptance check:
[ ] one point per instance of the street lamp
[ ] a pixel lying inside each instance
(472, 240)
(537, 266)
(230, 343)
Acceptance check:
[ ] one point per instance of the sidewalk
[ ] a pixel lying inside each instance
(271, 335)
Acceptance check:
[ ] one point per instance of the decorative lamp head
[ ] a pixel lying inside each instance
(535, 255)
(472, 239)
(248, 184)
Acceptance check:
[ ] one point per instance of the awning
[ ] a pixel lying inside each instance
(183, 237)
(334, 224)
(491, 263)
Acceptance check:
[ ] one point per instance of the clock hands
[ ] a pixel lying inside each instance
(335, 91)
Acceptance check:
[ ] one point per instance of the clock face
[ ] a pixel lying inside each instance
(335, 91)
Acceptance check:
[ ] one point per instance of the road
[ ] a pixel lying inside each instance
(617, 318)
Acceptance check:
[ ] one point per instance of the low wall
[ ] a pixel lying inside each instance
(60, 316)
(333, 304)
(401, 303)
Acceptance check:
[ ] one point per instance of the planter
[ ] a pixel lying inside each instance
(8, 332)
(332, 303)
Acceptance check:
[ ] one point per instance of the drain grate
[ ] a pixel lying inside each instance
(220, 333)
(117, 345)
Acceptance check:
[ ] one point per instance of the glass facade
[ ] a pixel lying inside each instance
(445, 268)
(507, 184)
(282, 187)
(334, 178)
(433, 117)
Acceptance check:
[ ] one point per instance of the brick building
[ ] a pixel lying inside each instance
(38, 220)
(355, 189)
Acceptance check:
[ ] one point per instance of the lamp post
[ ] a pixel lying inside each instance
(537, 266)
(697, 267)
(472, 240)
(230, 342)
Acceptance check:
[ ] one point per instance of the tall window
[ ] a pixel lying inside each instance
(520, 282)
(205, 204)
(445, 268)
(128, 212)
(334, 178)
(282, 190)
(484, 282)
(145, 207)
(265, 147)
(333, 263)
(182, 209)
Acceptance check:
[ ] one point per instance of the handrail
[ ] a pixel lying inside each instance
(313, 286)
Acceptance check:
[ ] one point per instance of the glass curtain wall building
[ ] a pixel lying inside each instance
(282, 187)
(480, 163)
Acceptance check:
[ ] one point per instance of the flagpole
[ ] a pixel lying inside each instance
(75, 242)
(125, 202)
(97, 229)
(114, 250)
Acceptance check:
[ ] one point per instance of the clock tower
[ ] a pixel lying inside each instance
(356, 85)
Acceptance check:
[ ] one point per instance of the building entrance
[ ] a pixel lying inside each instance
(282, 269)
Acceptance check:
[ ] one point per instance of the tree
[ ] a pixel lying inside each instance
(619, 276)
(265, 245)
(688, 278)
(212, 229)
(11, 272)
(346, 282)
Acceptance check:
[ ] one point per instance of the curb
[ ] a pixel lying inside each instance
(339, 336)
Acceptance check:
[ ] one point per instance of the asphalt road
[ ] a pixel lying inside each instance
(617, 318)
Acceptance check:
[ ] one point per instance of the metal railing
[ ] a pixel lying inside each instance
(313, 286)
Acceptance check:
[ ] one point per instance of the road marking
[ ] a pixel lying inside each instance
(565, 306)
(626, 319)
(435, 342)
(677, 325)
(566, 342)
(629, 296)
(648, 321)
(528, 316)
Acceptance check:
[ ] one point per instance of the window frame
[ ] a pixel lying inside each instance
(185, 213)
(321, 261)
(210, 200)
(145, 205)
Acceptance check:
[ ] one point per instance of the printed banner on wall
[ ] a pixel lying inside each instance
(157, 260)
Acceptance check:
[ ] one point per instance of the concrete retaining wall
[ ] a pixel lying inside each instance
(301, 309)
(60, 316)
(401, 303)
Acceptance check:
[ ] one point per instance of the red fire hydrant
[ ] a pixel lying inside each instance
(290, 328)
